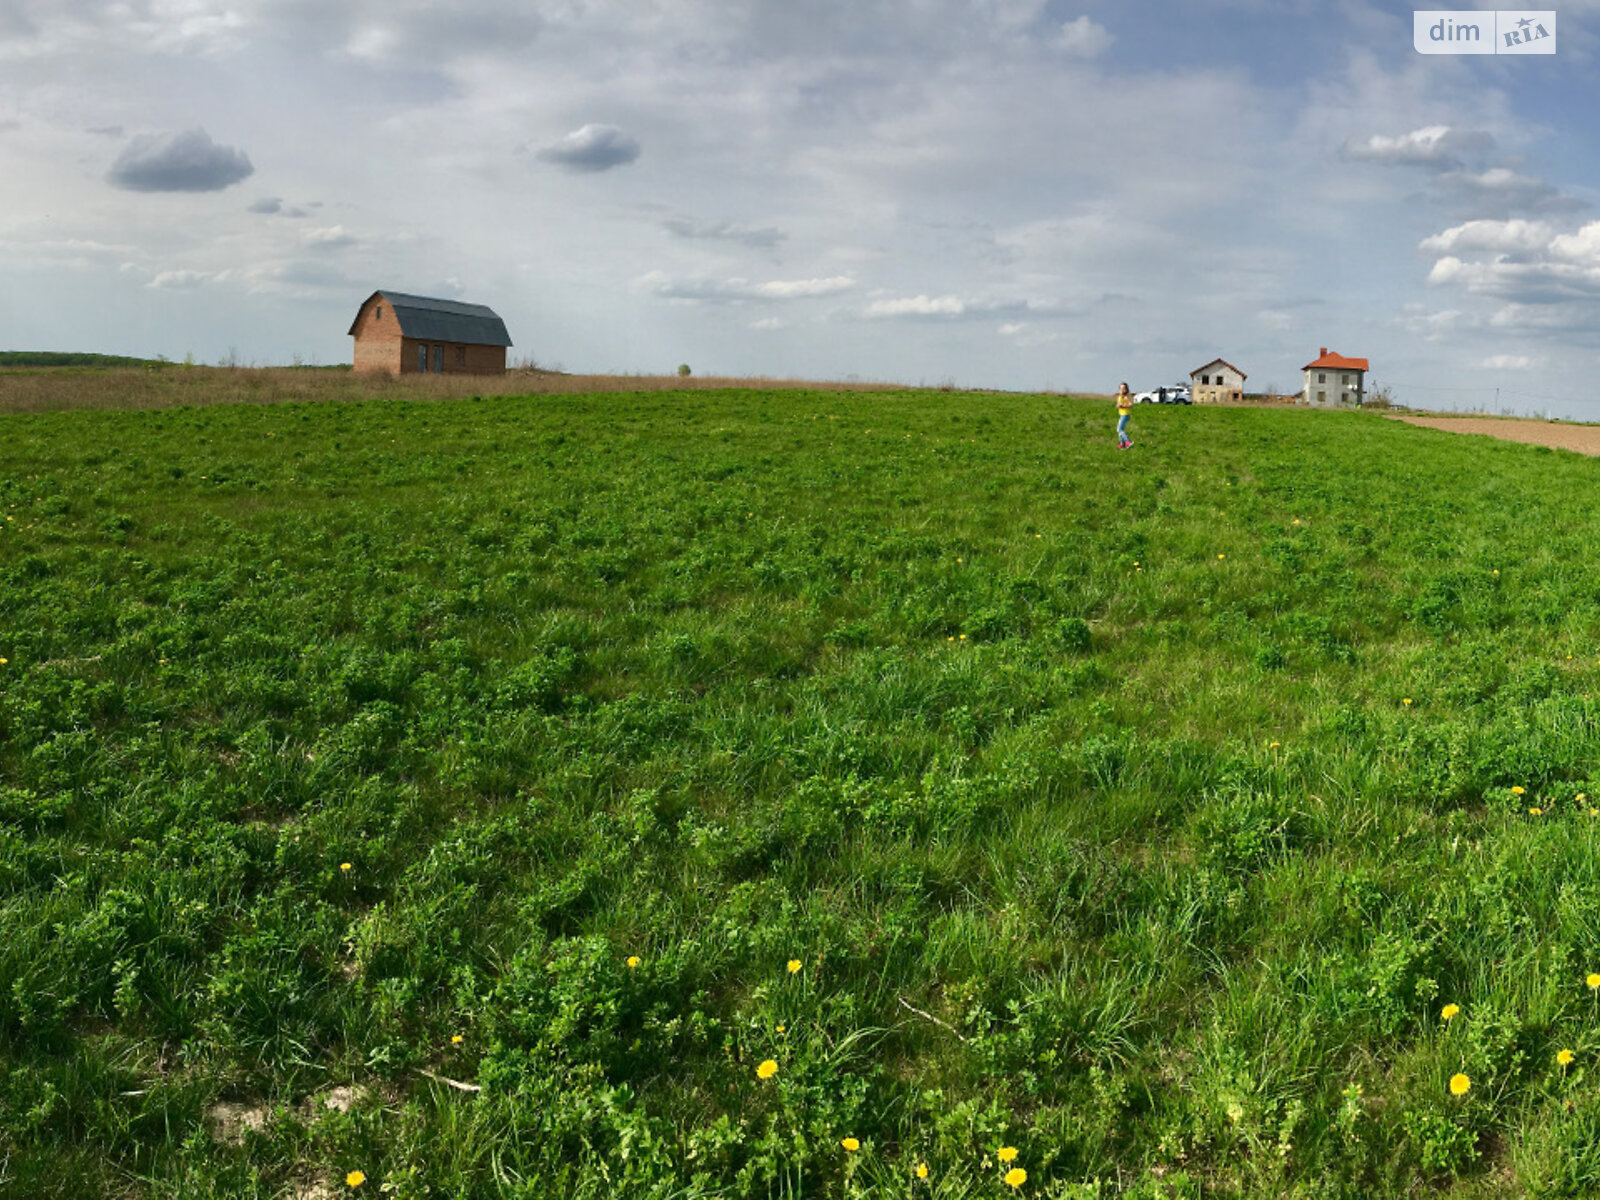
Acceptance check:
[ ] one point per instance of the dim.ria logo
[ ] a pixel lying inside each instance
(1484, 31)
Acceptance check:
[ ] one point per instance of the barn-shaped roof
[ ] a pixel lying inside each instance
(431, 320)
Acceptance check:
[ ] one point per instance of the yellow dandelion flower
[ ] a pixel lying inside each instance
(1448, 1011)
(963, 637)
(456, 1039)
(794, 966)
(1593, 981)
(1460, 1085)
(344, 866)
(767, 1069)
(851, 1144)
(1007, 1154)
(1274, 745)
(633, 961)
(921, 1171)
(783, 1029)
(1016, 1177)
(1580, 798)
(356, 1178)
(1519, 791)
(1564, 1057)
(1221, 556)
(1406, 702)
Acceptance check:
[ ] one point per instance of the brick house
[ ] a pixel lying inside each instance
(410, 335)
(1218, 380)
(1334, 379)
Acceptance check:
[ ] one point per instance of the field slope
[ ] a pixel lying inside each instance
(794, 793)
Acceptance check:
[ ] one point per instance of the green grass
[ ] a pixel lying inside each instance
(1140, 811)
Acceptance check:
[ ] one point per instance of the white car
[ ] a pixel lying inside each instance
(1178, 393)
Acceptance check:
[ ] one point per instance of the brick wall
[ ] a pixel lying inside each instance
(378, 340)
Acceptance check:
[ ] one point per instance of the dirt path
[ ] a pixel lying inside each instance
(1585, 439)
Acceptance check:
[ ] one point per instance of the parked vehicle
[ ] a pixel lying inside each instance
(1178, 393)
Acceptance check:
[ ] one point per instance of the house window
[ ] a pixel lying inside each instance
(1349, 380)
(378, 315)
(1322, 397)
(422, 360)
(461, 356)
(438, 360)
(1205, 379)
(1322, 377)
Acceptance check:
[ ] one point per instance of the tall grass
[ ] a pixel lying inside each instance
(1139, 811)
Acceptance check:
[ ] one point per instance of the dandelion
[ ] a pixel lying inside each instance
(1296, 521)
(767, 1069)
(794, 966)
(922, 1171)
(1274, 745)
(1016, 1177)
(1518, 791)
(1564, 1057)
(1580, 798)
(1460, 1085)
(850, 1144)
(1536, 812)
(963, 637)
(356, 1178)
(456, 1039)
(633, 961)
(1406, 702)
(783, 1029)
(344, 866)
(1448, 1011)
(1594, 982)
(1007, 1154)
(1222, 556)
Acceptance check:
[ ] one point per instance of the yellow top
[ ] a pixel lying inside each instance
(1124, 405)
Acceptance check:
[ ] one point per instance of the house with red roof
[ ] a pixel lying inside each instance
(1333, 380)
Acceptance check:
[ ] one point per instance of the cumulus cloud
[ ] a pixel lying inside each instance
(1507, 362)
(729, 291)
(950, 307)
(1436, 147)
(762, 238)
(1500, 191)
(1495, 237)
(1082, 38)
(179, 279)
(592, 148)
(918, 306)
(1529, 263)
(335, 237)
(181, 162)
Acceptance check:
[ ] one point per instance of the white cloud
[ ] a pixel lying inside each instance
(738, 289)
(1507, 362)
(179, 279)
(1083, 38)
(918, 306)
(1437, 147)
(1500, 237)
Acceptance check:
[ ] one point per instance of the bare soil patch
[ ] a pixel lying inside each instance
(1585, 439)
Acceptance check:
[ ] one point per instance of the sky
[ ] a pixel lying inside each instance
(1012, 194)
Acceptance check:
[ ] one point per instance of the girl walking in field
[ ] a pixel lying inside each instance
(1124, 411)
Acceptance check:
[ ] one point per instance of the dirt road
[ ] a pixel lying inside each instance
(1585, 439)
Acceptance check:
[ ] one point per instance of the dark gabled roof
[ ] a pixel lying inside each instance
(429, 320)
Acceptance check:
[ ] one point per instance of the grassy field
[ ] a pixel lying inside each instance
(794, 793)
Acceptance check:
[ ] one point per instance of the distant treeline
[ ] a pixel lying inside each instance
(55, 358)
